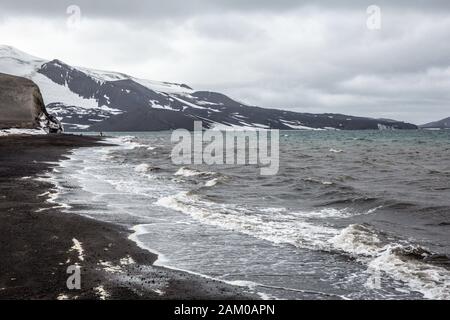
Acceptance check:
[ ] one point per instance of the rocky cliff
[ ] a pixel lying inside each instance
(22, 105)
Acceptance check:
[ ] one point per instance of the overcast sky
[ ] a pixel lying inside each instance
(308, 56)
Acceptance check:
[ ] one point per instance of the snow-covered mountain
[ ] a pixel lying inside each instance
(93, 100)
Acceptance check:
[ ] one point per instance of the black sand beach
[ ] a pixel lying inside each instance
(38, 241)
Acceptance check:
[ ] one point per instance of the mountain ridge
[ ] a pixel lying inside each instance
(440, 124)
(93, 100)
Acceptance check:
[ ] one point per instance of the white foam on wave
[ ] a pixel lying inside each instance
(325, 183)
(186, 172)
(274, 228)
(359, 241)
(264, 296)
(137, 232)
(127, 142)
(212, 182)
(310, 215)
(356, 240)
(162, 261)
(142, 167)
(433, 282)
(54, 193)
(280, 225)
(323, 213)
(140, 230)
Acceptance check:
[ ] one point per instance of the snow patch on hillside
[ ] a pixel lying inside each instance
(233, 127)
(157, 86)
(53, 92)
(296, 125)
(18, 63)
(163, 86)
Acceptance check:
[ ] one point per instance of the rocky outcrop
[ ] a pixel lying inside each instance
(22, 105)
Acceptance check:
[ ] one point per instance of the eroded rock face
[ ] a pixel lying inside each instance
(22, 106)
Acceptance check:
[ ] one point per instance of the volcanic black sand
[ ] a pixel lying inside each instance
(38, 242)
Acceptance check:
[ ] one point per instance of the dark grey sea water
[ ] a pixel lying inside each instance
(358, 215)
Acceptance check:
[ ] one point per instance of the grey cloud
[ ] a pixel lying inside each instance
(134, 9)
(299, 55)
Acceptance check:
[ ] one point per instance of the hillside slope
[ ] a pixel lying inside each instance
(92, 100)
(441, 124)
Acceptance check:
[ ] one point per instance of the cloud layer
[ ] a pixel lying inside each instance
(292, 55)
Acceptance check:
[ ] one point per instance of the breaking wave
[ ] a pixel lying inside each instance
(361, 242)
(312, 206)
(186, 172)
(274, 228)
(401, 262)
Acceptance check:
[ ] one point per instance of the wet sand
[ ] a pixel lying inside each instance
(38, 242)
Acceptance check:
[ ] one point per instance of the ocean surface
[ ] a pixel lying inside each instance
(351, 215)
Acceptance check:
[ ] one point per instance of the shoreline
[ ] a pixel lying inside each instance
(39, 242)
